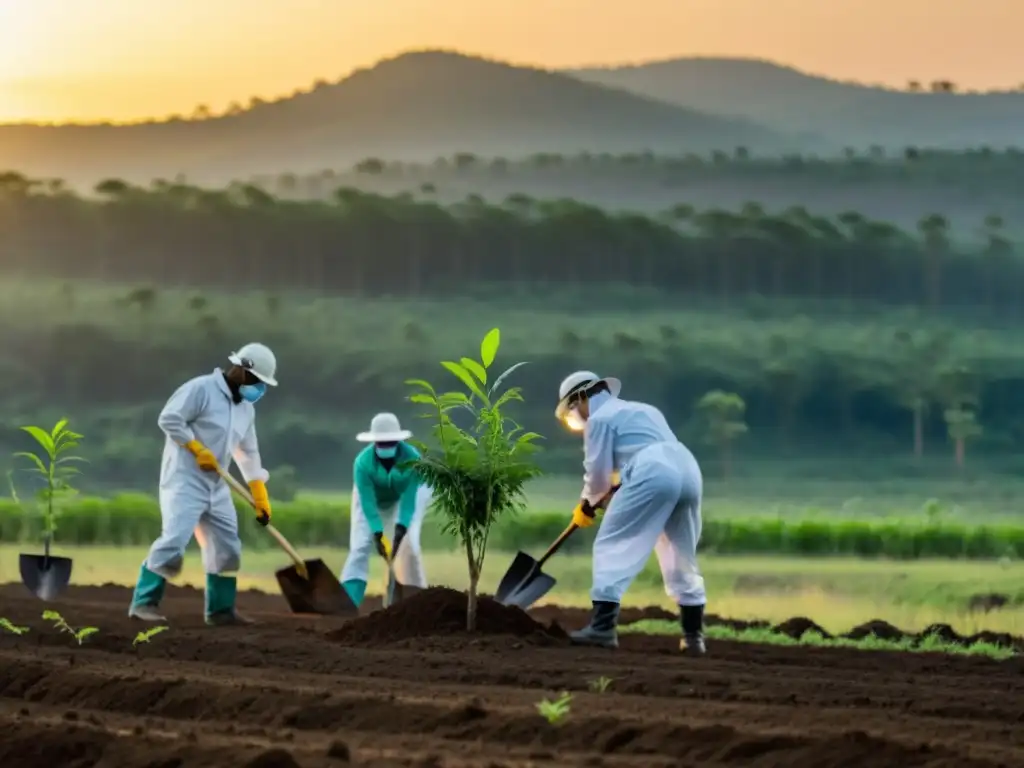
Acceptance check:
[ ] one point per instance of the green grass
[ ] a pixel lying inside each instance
(930, 644)
(837, 593)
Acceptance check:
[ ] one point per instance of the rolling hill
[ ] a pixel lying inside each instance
(791, 101)
(415, 106)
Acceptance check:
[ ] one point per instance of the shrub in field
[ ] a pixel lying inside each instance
(477, 474)
(63, 626)
(7, 626)
(146, 635)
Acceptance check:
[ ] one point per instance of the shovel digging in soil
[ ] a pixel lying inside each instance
(308, 585)
(45, 575)
(394, 590)
(524, 583)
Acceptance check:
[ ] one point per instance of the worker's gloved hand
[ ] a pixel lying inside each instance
(583, 515)
(400, 531)
(383, 548)
(607, 498)
(262, 499)
(204, 456)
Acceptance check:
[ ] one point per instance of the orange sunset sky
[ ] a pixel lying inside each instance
(126, 59)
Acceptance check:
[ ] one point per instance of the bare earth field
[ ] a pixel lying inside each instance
(402, 688)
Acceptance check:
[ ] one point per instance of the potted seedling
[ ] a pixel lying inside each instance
(46, 575)
(477, 473)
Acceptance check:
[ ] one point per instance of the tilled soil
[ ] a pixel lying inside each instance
(307, 691)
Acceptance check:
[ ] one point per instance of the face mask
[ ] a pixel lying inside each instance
(574, 421)
(386, 452)
(252, 392)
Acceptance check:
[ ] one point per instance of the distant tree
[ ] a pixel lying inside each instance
(958, 390)
(372, 166)
(915, 363)
(962, 425)
(723, 416)
(914, 86)
(934, 228)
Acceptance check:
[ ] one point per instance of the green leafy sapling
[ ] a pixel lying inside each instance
(63, 626)
(477, 473)
(51, 468)
(146, 635)
(600, 684)
(555, 711)
(7, 626)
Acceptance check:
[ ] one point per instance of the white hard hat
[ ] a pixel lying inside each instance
(578, 381)
(258, 360)
(384, 428)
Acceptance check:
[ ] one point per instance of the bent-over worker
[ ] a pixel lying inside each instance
(383, 486)
(657, 507)
(208, 421)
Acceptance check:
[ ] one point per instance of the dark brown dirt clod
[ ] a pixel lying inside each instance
(441, 611)
(799, 626)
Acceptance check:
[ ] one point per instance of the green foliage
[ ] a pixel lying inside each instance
(60, 624)
(51, 469)
(7, 626)
(600, 684)
(134, 520)
(555, 711)
(284, 483)
(478, 473)
(146, 635)
(722, 416)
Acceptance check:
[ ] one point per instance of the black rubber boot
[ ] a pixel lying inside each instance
(691, 617)
(601, 630)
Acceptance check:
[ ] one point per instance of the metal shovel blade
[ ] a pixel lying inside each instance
(45, 576)
(524, 583)
(321, 593)
(398, 591)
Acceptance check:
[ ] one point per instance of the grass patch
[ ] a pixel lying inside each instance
(928, 644)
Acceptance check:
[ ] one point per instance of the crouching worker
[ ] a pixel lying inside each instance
(383, 486)
(208, 422)
(657, 506)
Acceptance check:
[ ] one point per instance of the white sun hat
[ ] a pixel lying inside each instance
(384, 428)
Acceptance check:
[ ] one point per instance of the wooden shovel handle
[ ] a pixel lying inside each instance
(572, 527)
(246, 495)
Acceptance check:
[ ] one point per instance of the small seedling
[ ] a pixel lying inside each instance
(63, 626)
(144, 637)
(600, 685)
(6, 626)
(555, 711)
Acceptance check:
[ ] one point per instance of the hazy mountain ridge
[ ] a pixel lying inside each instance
(415, 106)
(789, 100)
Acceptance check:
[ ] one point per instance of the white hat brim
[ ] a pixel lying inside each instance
(270, 381)
(384, 437)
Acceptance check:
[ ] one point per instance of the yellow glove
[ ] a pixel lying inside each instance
(204, 456)
(581, 518)
(262, 499)
(383, 545)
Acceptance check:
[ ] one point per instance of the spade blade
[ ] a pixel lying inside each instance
(523, 566)
(530, 591)
(45, 576)
(321, 593)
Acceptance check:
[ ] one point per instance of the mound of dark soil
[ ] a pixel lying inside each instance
(989, 601)
(442, 611)
(883, 630)
(799, 626)
(736, 625)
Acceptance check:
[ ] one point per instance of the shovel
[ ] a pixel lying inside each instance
(308, 585)
(45, 576)
(394, 590)
(524, 583)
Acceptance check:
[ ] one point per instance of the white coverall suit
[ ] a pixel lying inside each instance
(658, 506)
(192, 500)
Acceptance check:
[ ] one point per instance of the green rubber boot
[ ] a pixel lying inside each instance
(149, 591)
(220, 601)
(356, 589)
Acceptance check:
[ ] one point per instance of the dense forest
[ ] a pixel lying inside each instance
(841, 335)
(366, 244)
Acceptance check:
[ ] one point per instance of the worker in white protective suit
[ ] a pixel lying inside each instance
(208, 421)
(657, 507)
(385, 485)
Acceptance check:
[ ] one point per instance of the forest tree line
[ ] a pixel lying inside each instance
(367, 244)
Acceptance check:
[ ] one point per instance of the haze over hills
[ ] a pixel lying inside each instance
(414, 107)
(788, 100)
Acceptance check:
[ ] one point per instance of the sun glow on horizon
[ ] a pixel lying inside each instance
(126, 60)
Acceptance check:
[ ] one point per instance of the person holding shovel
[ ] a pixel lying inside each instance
(208, 421)
(657, 506)
(384, 486)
